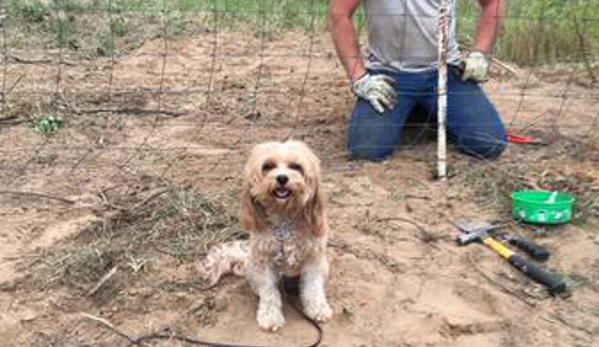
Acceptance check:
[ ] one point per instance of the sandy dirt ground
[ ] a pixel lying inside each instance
(187, 113)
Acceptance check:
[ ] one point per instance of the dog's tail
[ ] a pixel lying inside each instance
(227, 258)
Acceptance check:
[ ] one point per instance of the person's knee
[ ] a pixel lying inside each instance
(492, 150)
(374, 141)
(483, 147)
(370, 153)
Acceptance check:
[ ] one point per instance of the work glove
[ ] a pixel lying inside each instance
(377, 89)
(476, 67)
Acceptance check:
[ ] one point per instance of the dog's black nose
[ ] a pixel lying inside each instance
(282, 179)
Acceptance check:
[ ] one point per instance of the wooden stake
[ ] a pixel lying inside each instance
(442, 90)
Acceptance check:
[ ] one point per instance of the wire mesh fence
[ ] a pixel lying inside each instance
(102, 101)
(126, 88)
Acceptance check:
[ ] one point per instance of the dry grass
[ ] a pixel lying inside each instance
(179, 223)
(492, 185)
(493, 182)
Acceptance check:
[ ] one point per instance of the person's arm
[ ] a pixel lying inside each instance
(377, 89)
(476, 63)
(345, 37)
(489, 24)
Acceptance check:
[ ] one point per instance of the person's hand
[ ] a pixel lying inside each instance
(377, 89)
(476, 67)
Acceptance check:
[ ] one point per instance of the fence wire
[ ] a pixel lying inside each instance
(142, 86)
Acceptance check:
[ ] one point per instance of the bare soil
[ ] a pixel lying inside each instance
(183, 116)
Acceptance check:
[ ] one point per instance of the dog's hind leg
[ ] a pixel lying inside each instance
(223, 259)
(312, 293)
(264, 281)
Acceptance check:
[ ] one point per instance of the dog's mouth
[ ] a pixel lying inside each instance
(282, 193)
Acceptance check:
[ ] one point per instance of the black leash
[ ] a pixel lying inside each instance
(289, 287)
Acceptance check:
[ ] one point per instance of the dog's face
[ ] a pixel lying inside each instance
(280, 178)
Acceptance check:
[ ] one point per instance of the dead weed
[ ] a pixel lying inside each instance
(179, 223)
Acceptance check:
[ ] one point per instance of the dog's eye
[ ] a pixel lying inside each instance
(296, 167)
(267, 166)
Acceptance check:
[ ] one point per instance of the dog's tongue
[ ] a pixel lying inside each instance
(282, 193)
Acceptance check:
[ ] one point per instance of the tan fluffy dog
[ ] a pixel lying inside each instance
(282, 205)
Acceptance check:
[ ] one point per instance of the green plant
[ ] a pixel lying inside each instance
(106, 45)
(118, 26)
(46, 124)
(33, 11)
(63, 27)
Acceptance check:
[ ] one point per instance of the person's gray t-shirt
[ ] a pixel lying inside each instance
(403, 34)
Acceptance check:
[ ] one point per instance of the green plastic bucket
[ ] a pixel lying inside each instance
(542, 207)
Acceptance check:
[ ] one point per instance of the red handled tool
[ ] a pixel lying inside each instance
(523, 139)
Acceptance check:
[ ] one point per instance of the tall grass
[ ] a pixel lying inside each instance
(534, 31)
(253, 14)
(541, 31)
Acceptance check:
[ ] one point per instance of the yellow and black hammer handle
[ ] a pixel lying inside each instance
(555, 283)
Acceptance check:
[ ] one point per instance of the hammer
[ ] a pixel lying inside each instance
(531, 248)
(554, 283)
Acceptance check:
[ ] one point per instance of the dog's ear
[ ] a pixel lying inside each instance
(252, 215)
(314, 212)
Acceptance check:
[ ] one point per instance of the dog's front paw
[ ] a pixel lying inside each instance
(270, 318)
(320, 312)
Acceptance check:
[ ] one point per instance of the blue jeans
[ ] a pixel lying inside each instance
(473, 124)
